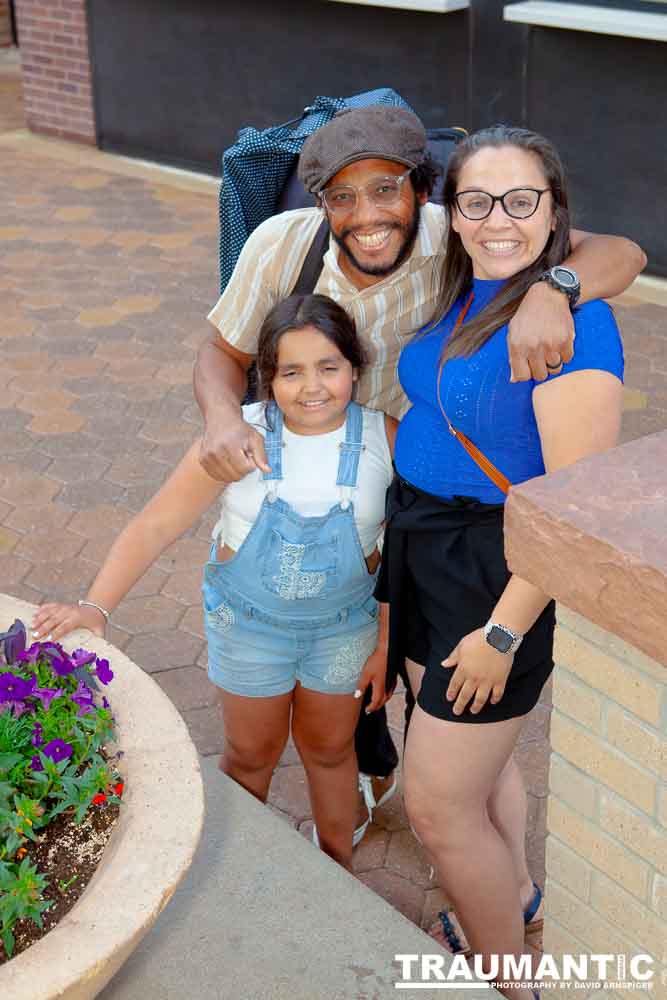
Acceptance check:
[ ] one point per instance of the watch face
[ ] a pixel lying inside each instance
(565, 277)
(499, 639)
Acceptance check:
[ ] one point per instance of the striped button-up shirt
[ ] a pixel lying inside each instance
(387, 314)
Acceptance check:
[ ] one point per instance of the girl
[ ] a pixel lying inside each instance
(479, 640)
(291, 622)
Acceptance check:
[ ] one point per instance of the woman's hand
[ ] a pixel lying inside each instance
(481, 673)
(374, 673)
(53, 621)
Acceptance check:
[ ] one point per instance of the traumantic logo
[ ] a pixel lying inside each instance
(585, 972)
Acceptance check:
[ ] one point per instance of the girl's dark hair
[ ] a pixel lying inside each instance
(457, 274)
(295, 313)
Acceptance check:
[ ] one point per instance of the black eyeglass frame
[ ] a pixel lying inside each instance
(398, 178)
(501, 198)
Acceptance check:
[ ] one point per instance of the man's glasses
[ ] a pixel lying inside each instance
(381, 191)
(519, 203)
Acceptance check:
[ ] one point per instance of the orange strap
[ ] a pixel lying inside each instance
(487, 467)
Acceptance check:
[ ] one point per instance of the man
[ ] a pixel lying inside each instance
(370, 171)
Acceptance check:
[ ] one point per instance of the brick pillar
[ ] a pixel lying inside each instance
(593, 536)
(57, 90)
(5, 25)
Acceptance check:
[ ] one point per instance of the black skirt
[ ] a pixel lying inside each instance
(443, 572)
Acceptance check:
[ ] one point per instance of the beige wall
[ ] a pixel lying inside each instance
(606, 855)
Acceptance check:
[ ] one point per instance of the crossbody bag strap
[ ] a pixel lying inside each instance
(480, 459)
(314, 262)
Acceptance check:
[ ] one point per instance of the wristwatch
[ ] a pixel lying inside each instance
(565, 280)
(502, 638)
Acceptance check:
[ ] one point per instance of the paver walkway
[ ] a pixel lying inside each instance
(106, 274)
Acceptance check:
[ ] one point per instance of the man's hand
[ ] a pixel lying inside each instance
(230, 449)
(481, 673)
(541, 334)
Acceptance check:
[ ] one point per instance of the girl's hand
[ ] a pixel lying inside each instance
(374, 673)
(53, 621)
(481, 672)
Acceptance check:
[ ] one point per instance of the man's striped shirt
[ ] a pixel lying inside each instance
(387, 314)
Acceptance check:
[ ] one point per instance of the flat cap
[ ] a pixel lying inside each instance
(379, 131)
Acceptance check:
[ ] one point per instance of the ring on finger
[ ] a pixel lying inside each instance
(554, 368)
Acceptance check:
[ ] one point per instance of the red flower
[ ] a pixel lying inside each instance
(118, 789)
(99, 799)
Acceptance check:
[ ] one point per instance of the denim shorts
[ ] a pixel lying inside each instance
(261, 654)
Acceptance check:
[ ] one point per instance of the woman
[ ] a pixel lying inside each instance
(484, 636)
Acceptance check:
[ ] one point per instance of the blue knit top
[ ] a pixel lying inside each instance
(479, 399)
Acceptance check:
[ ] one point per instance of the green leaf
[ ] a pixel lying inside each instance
(8, 760)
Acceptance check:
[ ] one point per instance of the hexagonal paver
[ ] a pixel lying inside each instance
(206, 730)
(184, 587)
(36, 519)
(57, 422)
(148, 614)
(61, 581)
(187, 553)
(59, 547)
(188, 687)
(406, 857)
(289, 791)
(398, 891)
(156, 651)
(17, 486)
(102, 518)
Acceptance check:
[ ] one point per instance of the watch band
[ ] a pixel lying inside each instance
(571, 288)
(502, 638)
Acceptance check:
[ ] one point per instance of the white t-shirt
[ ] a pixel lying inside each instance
(310, 470)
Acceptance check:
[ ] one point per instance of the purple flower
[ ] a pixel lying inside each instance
(36, 763)
(36, 735)
(32, 654)
(83, 697)
(15, 688)
(81, 657)
(57, 750)
(103, 671)
(19, 707)
(46, 695)
(105, 703)
(14, 641)
(62, 665)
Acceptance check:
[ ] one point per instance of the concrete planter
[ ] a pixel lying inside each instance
(149, 852)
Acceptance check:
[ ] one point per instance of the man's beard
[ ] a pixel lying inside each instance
(378, 270)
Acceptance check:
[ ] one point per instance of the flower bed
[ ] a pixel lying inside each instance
(151, 845)
(52, 764)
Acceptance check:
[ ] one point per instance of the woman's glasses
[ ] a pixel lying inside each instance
(519, 203)
(380, 190)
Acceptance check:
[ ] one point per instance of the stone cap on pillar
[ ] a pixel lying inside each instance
(594, 536)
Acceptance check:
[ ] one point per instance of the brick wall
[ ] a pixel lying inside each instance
(606, 853)
(5, 25)
(57, 87)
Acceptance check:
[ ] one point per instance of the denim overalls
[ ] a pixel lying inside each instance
(295, 601)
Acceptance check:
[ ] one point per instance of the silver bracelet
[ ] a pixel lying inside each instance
(91, 604)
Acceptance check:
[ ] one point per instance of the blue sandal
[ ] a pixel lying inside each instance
(532, 926)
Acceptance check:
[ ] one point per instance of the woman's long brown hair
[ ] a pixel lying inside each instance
(456, 280)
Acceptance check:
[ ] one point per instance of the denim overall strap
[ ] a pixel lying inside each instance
(273, 442)
(350, 450)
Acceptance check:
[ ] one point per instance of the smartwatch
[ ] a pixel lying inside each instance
(503, 639)
(564, 280)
